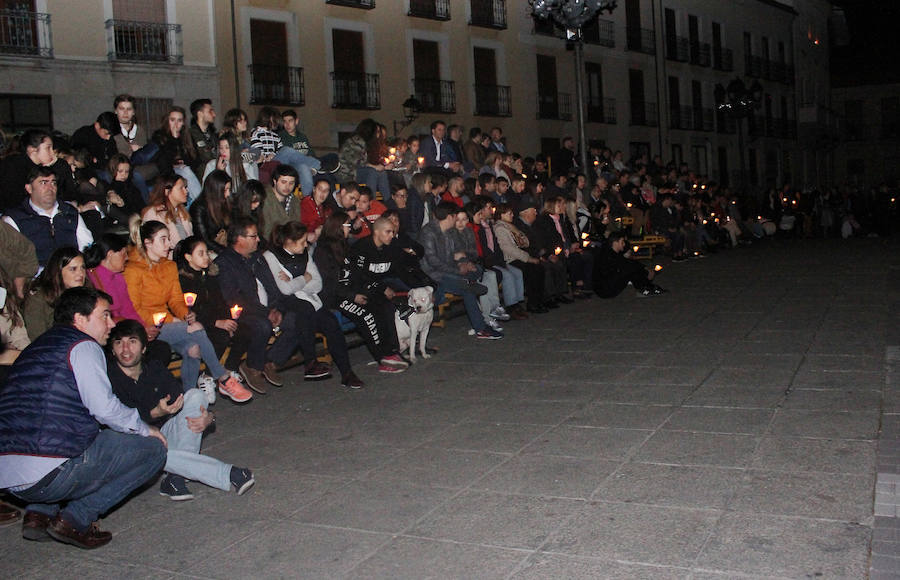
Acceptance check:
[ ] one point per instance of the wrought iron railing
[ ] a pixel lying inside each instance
(435, 96)
(433, 9)
(130, 40)
(700, 53)
(645, 114)
(492, 101)
(276, 85)
(355, 90)
(554, 106)
(640, 40)
(600, 32)
(488, 13)
(723, 59)
(677, 48)
(25, 33)
(364, 4)
(601, 111)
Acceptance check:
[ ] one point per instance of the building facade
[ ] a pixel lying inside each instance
(868, 148)
(63, 61)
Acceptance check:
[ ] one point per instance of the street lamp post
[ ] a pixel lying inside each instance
(738, 101)
(573, 15)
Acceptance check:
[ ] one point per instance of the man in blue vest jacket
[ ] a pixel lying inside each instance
(52, 450)
(45, 221)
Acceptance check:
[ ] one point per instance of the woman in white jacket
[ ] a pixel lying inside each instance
(290, 260)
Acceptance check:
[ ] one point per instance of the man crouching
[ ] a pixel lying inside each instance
(53, 454)
(182, 417)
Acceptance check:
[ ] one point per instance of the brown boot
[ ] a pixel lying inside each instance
(254, 378)
(34, 527)
(270, 371)
(8, 514)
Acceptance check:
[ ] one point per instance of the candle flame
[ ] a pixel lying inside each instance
(236, 312)
(635, 248)
(189, 299)
(657, 268)
(557, 251)
(159, 318)
(584, 236)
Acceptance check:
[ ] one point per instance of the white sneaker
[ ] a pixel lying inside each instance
(495, 325)
(207, 384)
(499, 313)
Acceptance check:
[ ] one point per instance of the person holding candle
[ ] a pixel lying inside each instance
(613, 271)
(298, 278)
(153, 286)
(247, 282)
(105, 261)
(200, 280)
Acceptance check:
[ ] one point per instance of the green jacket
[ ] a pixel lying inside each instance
(274, 213)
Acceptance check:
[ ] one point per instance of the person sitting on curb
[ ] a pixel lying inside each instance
(181, 416)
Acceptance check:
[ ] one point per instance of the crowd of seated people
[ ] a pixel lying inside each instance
(232, 250)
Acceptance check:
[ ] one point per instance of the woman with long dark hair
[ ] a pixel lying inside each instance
(211, 213)
(65, 269)
(231, 162)
(176, 150)
(167, 205)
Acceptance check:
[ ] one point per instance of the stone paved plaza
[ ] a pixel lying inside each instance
(728, 429)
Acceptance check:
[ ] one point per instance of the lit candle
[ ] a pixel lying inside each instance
(657, 268)
(635, 248)
(712, 214)
(392, 150)
(159, 318)
(586, 243)
(705, 222)
(421, 161)
(584, 236)
(189, 299)
(557, 251)
(759, 218)
(628, 205)
(784, 199)
(236, 312)
(596, 163)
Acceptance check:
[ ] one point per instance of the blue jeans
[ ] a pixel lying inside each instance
(92, 483)
(460, 286)
(374, 180)
(184, 457)
(513, 287)
(304, 164)
(181, 341)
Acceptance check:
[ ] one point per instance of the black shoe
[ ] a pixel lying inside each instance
(317, 371)
(242, 479)
(564, 299)
(352, 381)
(539, 309)
(551, 304)
(175, 488)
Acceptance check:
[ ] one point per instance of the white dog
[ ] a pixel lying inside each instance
(421, 300)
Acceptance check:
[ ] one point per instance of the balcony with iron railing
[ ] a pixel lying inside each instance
(640, 40)
(644, 114)
(700, 53)
(723, 59)
(276, 85)
(677, 48)
(355, 90)
(24, 33)
(431, 9)
(704, 119)
(601, 111)
(364, 4)
(133, 41)
(752, 66)
(492, 101)
(725, 123)
(681, 117)
(600, 32)
(554, 106)
(488, 13)
(435, 96)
